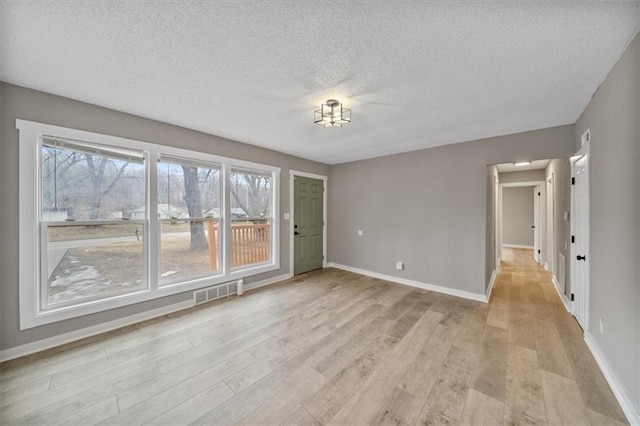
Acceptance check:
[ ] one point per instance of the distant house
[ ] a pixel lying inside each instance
(165, 211)
(55, 215)
(236, 213)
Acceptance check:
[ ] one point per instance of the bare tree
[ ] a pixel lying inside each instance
(194, 206)
(97, 171)
(251, 194)
(57, 163)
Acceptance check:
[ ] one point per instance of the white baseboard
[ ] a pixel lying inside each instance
(72, 336)
(266, 282)
(517, 246)
(412, 283)
(492, 280)
(565, 302)
(627, 405)
(546, 267)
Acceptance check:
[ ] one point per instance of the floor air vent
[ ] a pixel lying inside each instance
(217, 292)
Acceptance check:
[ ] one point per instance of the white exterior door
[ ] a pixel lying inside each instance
(536, 223)
(580, 252)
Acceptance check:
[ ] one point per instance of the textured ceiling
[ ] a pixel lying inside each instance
(416, 74)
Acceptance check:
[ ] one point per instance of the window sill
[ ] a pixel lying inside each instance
(96, 306)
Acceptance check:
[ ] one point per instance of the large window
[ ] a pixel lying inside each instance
(89, 252)
(111, 222)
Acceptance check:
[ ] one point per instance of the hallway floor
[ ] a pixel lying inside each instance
(329, 347)
(551, 374)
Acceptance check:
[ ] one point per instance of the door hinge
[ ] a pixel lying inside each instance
(573, 239)
(573, 181)
(572, 297)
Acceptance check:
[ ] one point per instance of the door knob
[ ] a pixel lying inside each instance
(581, 257)
(296, 233)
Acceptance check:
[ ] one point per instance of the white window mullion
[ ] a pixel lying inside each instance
(152, 224)
(44, 269)
(29, 191)
(225, 226)
(275, 218)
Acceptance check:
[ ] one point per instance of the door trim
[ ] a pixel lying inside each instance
(324, 179)
(550, 259)
(537, 223)
(497, 220)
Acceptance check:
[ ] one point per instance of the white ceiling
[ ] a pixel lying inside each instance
(535, 165)
(416, 74)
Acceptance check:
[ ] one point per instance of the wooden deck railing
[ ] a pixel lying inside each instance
(249, 243)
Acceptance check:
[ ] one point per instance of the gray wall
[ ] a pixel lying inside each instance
(17, 102)
(613, 116)
(522, 176)
(427, 208)
(517, 215)
(561, 170)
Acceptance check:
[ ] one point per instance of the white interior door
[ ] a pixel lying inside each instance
(536, 223)
(580, 252)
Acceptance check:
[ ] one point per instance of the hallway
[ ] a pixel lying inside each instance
(546, 351)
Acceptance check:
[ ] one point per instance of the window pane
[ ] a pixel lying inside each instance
(189, 250)
(250, 217)
(250, 194)
(78, 184)
(187, 189)
(93, 262)
(250, 241)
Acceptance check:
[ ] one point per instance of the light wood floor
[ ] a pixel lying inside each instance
(329, 347)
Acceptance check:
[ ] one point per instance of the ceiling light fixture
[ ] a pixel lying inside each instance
(522, 163)
(332, 114)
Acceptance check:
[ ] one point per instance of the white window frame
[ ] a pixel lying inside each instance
(29, 204)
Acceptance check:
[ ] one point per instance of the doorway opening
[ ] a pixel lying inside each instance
(521, 216)
(522, 206)
(528, 208)
(551, 212)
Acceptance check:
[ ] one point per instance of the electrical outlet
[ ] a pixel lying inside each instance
(400, 265)
(360, 233)
(601, 326)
